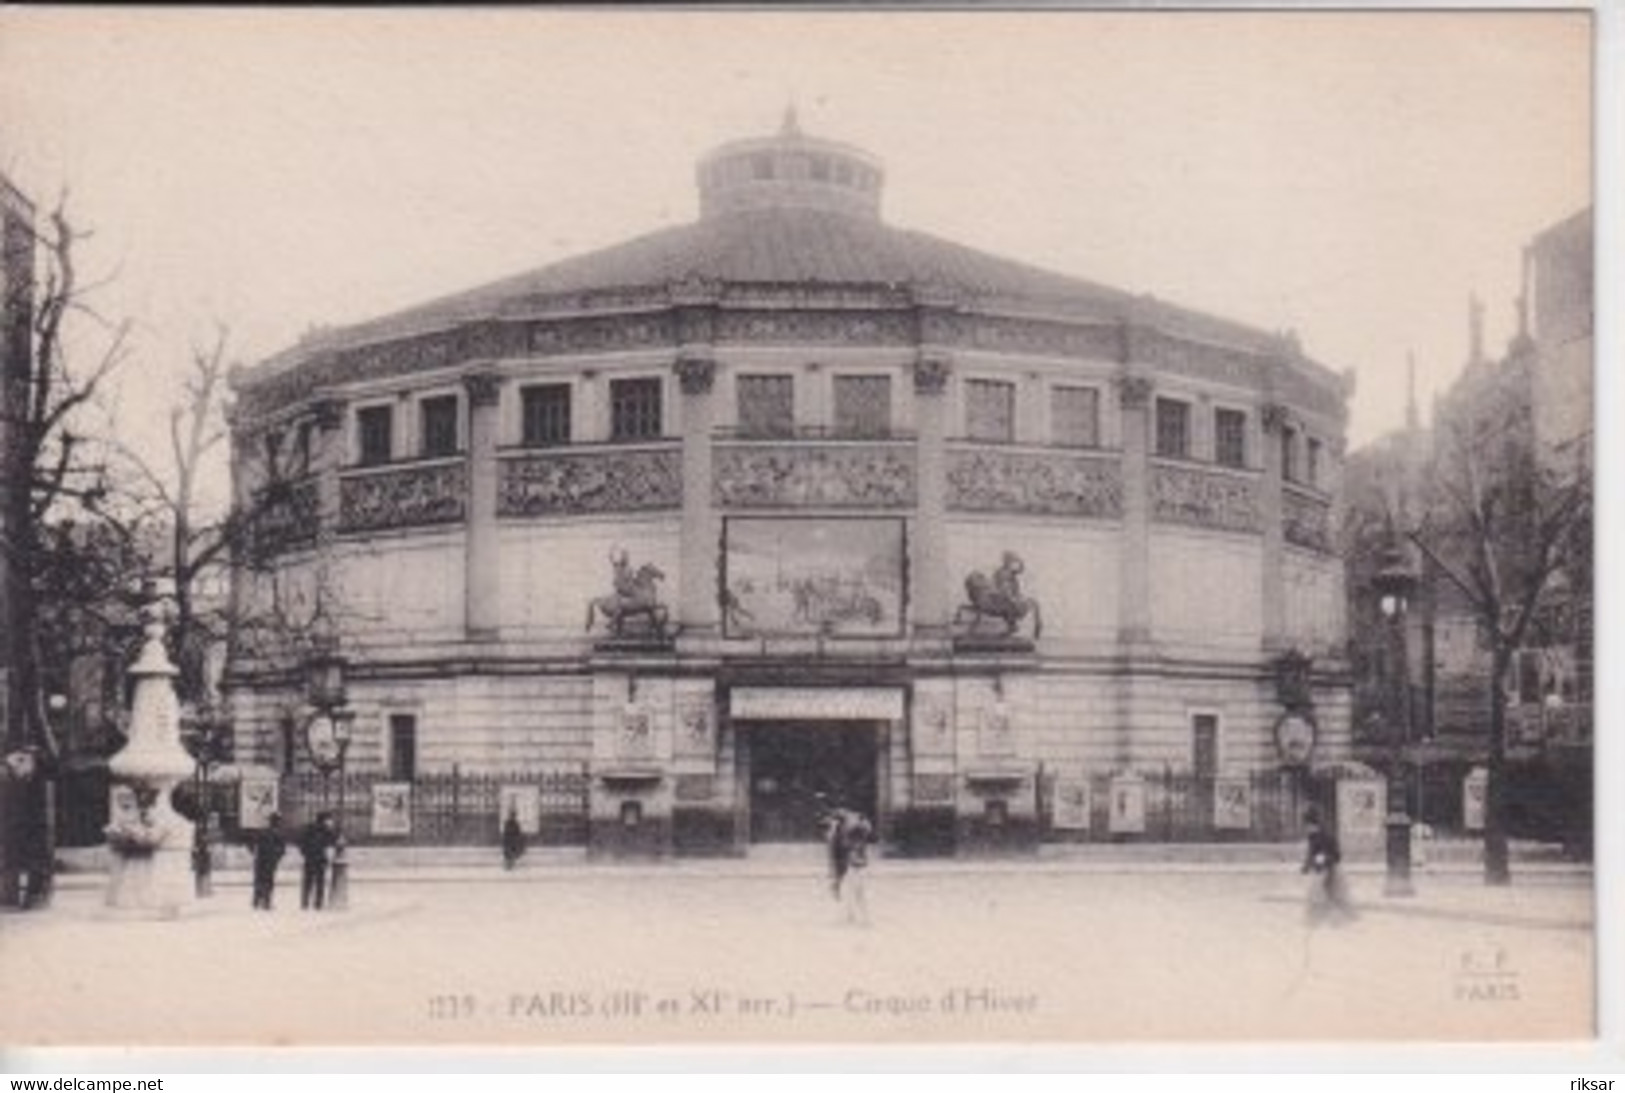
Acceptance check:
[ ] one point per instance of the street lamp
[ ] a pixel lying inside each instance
(207, 735)
(327, 738)
(1394, 584)
(327, 734)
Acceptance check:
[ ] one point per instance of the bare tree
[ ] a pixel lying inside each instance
(200, 543)
(60, 472)
(1505, 518)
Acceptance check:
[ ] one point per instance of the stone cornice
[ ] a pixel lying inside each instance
(686, 313)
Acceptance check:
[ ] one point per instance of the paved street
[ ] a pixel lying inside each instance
(728, 952)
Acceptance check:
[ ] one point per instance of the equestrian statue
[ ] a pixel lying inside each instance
(999, 596)
(636, 596)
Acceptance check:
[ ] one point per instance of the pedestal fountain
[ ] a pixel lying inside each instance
(148, 842)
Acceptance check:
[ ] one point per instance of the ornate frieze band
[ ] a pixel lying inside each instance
(1099, 341)
(558, 482)
(816, 327)
(1306, 520)
(1037, 483)
(286, 517)
(812, 475)
(1197, 497)
(404, 497)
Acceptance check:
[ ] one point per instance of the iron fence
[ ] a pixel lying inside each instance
(1179, 806)
(444, 809)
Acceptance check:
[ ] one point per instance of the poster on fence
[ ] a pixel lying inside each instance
(1474, 793)
(523, 802)
(1362, 806)
(1071, 812)
(1128, 805)
(392, 808)
(256, 802)
(1232, 804)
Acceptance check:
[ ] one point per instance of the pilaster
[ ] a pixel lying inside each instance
(1134, 596)
(327, 459)
(482, 587)
(701, 529)
(1273, 418)
(929, 550)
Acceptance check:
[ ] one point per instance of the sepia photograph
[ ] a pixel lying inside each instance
(586, 528)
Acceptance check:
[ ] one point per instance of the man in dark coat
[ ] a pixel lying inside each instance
(268, 851)
(316, 844)
(1323, 857)
(513, 840)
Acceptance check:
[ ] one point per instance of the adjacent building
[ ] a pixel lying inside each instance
(788, 507)
(1536, 395)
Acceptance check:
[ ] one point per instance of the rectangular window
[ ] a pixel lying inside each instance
(1205, 744)
(862, 405)
(1311, 470)
(545, 413)
(273, 454)
(403, 747)
(306, 446)
(990, 410)
(1074, 417)
(375, 431)
(1173, 428)
(437, 417)
(634, 409)
(1230, 438)
(1289, 453)
(767, 405)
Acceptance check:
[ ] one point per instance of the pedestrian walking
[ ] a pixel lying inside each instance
(513, 840)
(1323, 857)
(268, 851)
(856, 834)
(829, 825)
(316, 845)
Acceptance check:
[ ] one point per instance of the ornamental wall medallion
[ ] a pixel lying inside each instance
(1041, 484)
(407, 497)
(789, 475)
(1204, 499)
(564, 483)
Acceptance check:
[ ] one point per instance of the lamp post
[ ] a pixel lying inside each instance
(206, 736)
(327, 738)
(1394, 585)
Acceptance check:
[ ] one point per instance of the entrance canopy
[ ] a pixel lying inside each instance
(816, 704)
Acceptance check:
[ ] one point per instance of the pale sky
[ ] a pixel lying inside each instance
(1351, 176)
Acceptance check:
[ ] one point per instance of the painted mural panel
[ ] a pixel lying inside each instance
(839, 578)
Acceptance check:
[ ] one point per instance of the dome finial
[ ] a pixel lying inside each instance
(790, 127)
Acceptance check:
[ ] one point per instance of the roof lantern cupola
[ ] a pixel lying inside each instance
(790, 170)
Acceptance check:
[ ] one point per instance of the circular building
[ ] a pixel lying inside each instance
(688, 539)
